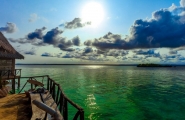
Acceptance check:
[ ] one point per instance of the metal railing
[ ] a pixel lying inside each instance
(58, 95)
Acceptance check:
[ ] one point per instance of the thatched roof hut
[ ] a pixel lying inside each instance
(7, 54)
(7, 51)
(7, 63)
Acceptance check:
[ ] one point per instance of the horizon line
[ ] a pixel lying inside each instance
(92, 64)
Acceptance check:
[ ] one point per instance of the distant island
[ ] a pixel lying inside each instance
(153, 65)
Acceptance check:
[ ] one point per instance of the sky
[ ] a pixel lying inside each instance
(95, 31)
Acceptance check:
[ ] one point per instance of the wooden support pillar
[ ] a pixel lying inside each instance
(18, 82)
(13, 86)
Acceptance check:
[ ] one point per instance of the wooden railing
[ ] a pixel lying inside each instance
(10, 73)
(58, 95)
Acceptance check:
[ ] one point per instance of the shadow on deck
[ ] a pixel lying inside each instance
(15, 107)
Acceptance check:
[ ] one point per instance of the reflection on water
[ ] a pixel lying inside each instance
(91, 66)
(121, 92)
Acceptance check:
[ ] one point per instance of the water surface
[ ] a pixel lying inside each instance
(120, 92)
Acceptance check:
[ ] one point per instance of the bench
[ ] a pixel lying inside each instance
(47, 99)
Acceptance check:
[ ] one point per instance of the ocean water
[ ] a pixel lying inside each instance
(119, 92)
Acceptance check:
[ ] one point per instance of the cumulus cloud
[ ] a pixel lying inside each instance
(9, 28)
(182, 3)
(76, 41)
(38, 33)
(88, 43)
(75, 23)
(52, 36)
(65, 44)
(108, 41)
(88, 50)
(164, 29)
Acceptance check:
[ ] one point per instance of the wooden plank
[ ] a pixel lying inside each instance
(9, 77)
(49, 101)
(35, 82)
(36, 112)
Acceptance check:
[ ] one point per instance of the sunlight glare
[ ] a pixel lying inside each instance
(93, 12)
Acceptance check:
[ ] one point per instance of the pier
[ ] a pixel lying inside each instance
(54, 98)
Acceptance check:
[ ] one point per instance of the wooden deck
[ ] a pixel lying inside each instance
(47, 100)
(15, 107)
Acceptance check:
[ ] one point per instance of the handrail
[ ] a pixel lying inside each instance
(8, 73)
(59, 97)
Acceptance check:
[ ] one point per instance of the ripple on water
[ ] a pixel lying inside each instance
(120, 92)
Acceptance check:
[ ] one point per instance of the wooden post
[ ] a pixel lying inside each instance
(65, 110)
(48, 83)
(61, 102)
(53, 93)
(51, 86)
(31, 85)
(18, 82)
(13, 86)
(82, 115)
(57, 94)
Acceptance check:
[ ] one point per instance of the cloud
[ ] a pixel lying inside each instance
(76, 41)
(9, 28)
(169, 57)
(148, 53)
(172, 52)
(33, 17)
(181, 58)
(30, 52)
(88, 50)
(65, 44)
(46, 54)
(76, 23)
(88, 43)
(38, 33)
(115, 53)
(108, 41)
(164, 29)
(52, 36)
(144, 52)
(182, 3)
(68, 56)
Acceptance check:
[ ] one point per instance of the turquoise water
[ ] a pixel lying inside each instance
(120, 92)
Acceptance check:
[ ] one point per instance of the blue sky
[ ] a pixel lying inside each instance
(96, 31)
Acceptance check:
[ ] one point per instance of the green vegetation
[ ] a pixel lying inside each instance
(152, 65)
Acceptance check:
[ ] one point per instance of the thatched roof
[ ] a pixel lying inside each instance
(6, 49)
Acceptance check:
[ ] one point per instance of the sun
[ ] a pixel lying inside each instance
(93, 12)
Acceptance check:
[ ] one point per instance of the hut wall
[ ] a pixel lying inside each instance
(7, 64)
